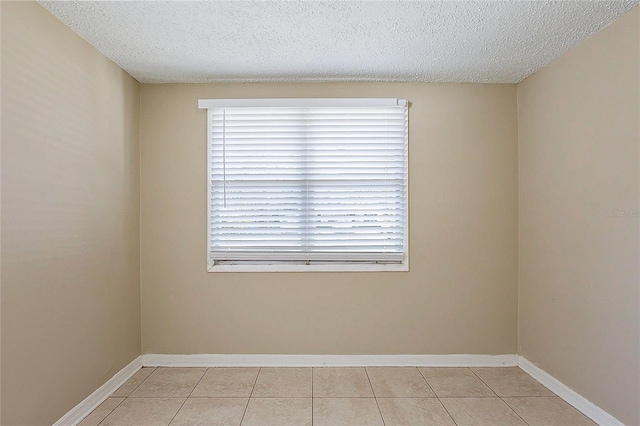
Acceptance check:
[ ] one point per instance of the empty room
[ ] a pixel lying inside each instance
(320, 213)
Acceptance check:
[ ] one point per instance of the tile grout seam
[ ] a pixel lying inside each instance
(438, 398)
(126, 397)
(185, 400)
(250, 395)
(374, 396)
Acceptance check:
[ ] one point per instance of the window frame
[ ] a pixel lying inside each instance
(301, 266)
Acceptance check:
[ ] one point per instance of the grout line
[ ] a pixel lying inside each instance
(312, 396)
(108, 414)
(171, 397)
(201, 377)
(380, 411)
(253, 397)
(174, 416)
(513, 396)
(445, 409)
(185, 400)
(511, 408)
(139, 384)
(250, 395)
(428, 384)
(485, 383)
(369, 379)
(374, 395)
(436, 396)
(338, 397)
(331, 397)
(125, 397)
(529, 396)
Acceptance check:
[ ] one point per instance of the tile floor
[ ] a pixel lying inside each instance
(349, 396)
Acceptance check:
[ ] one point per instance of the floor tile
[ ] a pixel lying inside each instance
(144, 411)
(101, 411)
(169, 383)
(452, 382)
(481, 412)
(398, 382)
(341, 382)
(548, 411)
(131, 384)
(211, 412)
(511, 381)
(346, 412)
(226, 382)
(283, 383)
(278, 412)
(414, 411)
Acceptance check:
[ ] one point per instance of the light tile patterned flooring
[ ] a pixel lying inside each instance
(348, 396)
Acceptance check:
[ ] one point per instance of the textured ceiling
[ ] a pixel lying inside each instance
(437, 41)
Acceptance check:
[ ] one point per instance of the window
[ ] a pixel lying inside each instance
(307, 184)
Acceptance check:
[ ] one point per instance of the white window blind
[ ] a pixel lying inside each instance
(307, 180)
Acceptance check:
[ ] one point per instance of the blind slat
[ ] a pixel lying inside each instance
(307, 183)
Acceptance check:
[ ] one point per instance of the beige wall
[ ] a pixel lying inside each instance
(70, 217)
(579, 158)
(459, 297)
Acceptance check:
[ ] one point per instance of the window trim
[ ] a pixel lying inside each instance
(300, 102)
(284, 266)
(314, 267)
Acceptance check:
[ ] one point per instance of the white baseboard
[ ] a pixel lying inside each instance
(254, 360)
(84, 408)
(582, 404)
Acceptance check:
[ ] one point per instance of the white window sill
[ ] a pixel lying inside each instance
(371, 267)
